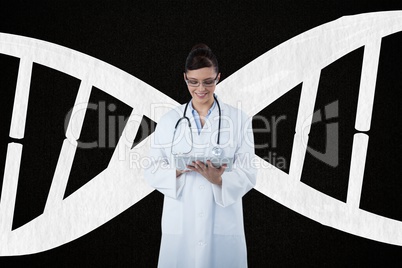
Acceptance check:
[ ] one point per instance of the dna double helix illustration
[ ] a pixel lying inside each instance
(262, 81)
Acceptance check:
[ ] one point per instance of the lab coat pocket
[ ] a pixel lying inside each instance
(172, 216)
(226, 222)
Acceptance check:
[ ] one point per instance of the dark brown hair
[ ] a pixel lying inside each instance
(201, 56)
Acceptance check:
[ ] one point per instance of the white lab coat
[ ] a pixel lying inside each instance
(202, 223)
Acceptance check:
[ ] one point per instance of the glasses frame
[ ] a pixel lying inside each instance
(199, 83)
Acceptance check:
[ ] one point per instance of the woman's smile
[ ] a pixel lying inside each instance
(201, 95)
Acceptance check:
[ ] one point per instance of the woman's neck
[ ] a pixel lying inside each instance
(202, 108)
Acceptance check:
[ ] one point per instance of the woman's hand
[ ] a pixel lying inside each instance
(211, 173)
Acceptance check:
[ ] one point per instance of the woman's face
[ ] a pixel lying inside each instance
(201, 85)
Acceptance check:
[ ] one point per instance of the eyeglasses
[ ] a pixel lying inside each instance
(206, 83)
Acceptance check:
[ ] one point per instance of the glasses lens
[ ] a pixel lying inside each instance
(193, 83)
(206, 83)
(209, 83)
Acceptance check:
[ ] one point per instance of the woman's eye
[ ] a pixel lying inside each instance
(192, 82)
(209, 82)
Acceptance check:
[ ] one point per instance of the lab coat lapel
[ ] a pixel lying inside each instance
(208, 134)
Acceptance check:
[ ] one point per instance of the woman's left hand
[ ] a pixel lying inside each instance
(211, 173)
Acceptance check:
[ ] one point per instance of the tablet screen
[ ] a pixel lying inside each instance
(182, 161)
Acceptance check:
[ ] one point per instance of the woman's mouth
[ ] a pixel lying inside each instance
(201, 95)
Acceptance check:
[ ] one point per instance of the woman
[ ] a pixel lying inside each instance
(202, 220)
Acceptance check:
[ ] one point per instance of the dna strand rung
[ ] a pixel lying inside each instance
(65, 162)
(9, 190)
(306, 109)
(363, 119)
(357, 164)
(367, 84)
(21, 99)
(14, 150)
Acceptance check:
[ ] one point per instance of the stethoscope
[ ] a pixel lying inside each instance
(216, 151)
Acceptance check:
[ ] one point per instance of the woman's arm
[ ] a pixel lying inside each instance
(161, 174)
(243, 176)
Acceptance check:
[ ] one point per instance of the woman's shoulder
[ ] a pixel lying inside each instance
(234, 111)
(173, 114)
(166, 123)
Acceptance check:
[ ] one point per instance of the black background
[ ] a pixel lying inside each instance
(150, 40)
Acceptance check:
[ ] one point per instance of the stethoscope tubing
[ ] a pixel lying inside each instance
(184, 117)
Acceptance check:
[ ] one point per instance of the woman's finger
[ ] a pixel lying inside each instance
(193, 168)
(201, 165)
(209, 163)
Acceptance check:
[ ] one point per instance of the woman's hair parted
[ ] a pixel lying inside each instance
(201, 56)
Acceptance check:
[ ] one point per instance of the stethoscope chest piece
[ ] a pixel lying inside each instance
(216, 151)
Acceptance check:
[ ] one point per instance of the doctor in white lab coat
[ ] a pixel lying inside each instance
(202, 220)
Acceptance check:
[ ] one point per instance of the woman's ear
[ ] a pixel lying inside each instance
(218, 78)
(184, 76)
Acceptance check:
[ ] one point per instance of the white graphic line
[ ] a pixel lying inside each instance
(18, 118)
(61, 175)
(9, 191)
(303, 124)
(367, 85)
(356, 174)
(67, 153)
(77, 115)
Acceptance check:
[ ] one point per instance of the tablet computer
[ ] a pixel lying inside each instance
(182, 161)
